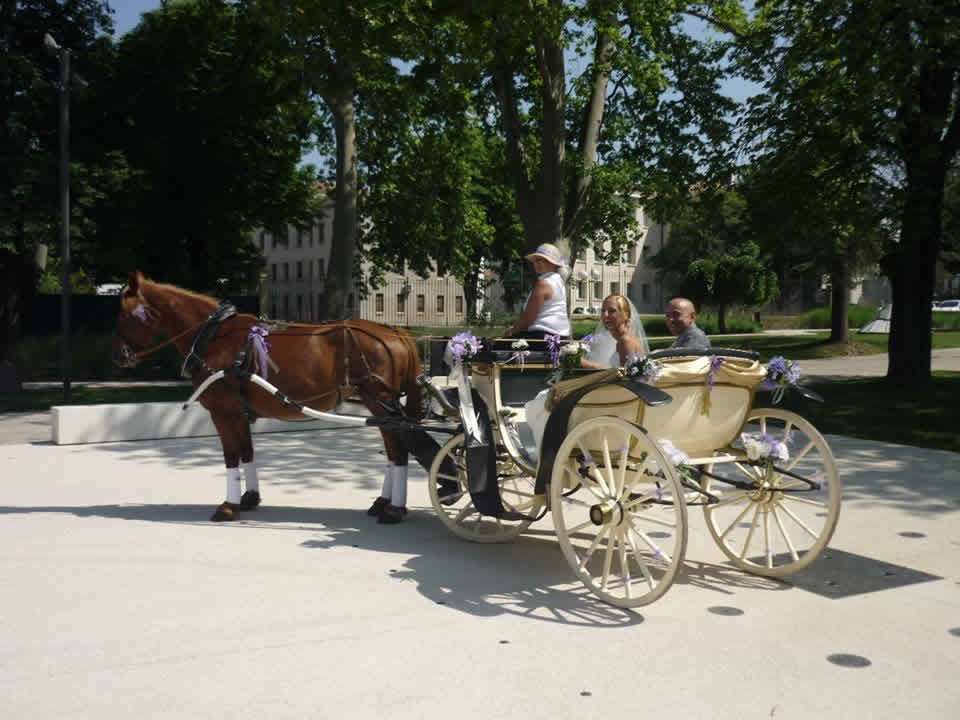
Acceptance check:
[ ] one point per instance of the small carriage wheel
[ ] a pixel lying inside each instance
(516, 493)
(784, 516)
(624, 531)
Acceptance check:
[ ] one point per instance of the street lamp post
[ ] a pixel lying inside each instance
(64, 55)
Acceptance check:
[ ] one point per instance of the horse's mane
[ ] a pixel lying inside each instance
(181, 293)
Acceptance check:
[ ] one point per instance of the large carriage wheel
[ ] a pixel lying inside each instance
(516, 493)
(624, 530)
(784, 520)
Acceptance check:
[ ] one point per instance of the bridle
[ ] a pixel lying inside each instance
(130, 357)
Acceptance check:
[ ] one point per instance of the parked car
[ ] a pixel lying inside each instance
(579, 311)
(948, 306)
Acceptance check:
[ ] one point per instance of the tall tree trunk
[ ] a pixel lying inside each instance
(839, 300)
(912, 271)
(343, 246)
(721, 318)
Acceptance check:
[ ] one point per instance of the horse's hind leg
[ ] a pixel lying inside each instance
(396, 509)
(251, 497)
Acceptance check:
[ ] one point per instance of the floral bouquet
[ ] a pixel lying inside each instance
(463, 347)
(643, 368)
(567, 359)
(521, 349)
(781, 373)
(764, 448)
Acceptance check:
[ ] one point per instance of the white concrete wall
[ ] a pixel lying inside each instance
(74, 424)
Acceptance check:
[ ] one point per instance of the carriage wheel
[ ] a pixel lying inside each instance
(516, 493)
(786, 518)
(624, 531)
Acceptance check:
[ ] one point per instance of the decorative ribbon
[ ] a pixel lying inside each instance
(261, 348)
(715, 363)
(470, 424)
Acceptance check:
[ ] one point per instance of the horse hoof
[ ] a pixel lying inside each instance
(392, 514)
(250, 500)
(226, 512)
(376, 510)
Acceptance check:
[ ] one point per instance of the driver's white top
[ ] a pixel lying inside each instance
(553, 316)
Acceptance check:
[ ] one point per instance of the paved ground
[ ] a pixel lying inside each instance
(121, 600)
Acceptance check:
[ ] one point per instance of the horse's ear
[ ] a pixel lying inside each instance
(134, 281)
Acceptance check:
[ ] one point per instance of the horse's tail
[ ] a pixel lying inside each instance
(411, 386)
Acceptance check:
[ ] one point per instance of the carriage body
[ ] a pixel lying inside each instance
(617, 472)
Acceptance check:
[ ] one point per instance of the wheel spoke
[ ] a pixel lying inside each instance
(799, 456)
(592, 465)
(799, 522)
(804, 501)
(766, 538)
(647, 518)
(593, 546)
(645, 571)
(736, 521)
(786, 537)
(753, 526)
(651, 544)
(465, 513)
(730, 499)
(625, 566)
(608, 558)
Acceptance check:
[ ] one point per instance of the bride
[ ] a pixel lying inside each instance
(618, 339)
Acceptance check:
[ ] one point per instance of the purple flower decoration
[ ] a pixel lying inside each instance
(553, 345)
(588, 338)
(464, 346)
(258, 340)
(715, 363)
(780, 373)
(140, 313)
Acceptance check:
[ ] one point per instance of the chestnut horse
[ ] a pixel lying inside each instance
(315, 365)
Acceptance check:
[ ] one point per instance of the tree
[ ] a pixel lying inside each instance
(645, 114)
(712, 257)
(889, 74)
(212, 137)
(29, 209)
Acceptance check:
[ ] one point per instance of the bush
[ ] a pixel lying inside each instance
(857, 316)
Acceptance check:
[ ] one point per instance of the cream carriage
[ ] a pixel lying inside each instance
(622, 461)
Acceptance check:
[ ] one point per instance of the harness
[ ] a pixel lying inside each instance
(194, 357)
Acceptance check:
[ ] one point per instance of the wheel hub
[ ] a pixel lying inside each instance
(609, 512)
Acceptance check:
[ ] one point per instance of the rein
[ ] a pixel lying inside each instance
(141, 354)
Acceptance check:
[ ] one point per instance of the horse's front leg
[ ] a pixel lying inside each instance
(234, 432)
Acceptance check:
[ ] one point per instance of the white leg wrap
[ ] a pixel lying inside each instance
(398, 497)
(250, 479)
(233, 485)
(387, 490)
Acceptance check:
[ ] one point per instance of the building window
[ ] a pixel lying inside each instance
(286, 307)
(421, 304)
(321, 232)
(273, 242)
(379, 301)
(299, 270)
(582, 253)
(645, 292)
(581, 289)
(439, 303)
(311, 308)
(309, 270)
(614, 288)
(299, 237)
(597, 290)
(321, 268)
(350, 301)
(458, 304)
(645, 251)
(286, 271)
(630, 290)
(310, 236)
(299, 307)
(273, 271)
(401, 302)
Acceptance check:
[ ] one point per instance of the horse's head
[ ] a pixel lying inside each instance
(136, 322)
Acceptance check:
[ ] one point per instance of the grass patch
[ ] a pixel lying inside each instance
(44, 399)
(874, 409)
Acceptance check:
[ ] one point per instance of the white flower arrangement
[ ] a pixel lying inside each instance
(763, 447)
